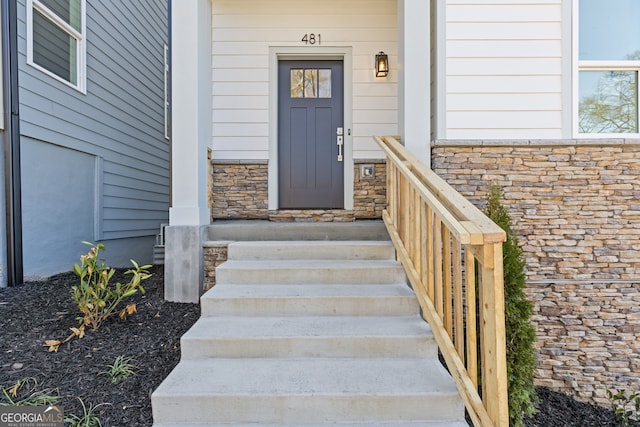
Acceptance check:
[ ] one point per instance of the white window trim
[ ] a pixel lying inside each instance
(166, 92)
(81, 69)
(591, 65)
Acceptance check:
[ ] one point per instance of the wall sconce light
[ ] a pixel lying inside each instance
(382, 64)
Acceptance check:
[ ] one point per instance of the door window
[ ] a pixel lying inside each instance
(310, 83)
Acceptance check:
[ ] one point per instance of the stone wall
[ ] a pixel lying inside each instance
(369, 192)
(239, 190)
(214, 253)
(576, 210)
(588, 337)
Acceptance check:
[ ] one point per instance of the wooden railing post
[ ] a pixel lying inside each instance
(494, 368)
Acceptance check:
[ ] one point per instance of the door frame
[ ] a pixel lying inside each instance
(278, 53)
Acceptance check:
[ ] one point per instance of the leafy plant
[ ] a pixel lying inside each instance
(95, 297)
(88, 417)
(520, 331)
(626, 407)
(23, 393)
(121, 369)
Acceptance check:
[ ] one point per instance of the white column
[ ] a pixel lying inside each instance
(414, 109)
(191, 111)
(191, 135)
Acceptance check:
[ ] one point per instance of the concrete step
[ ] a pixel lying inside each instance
(310, 271)
(425, 423)
(158, 255)
(305, 391)
(309, 300)
(308, 336)
(319, 250)
(235, 230)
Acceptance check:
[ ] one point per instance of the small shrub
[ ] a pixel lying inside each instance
(95, 297)
(88, 417)
(520, 331)
(121, 369)
(626, 407)
(24, 393)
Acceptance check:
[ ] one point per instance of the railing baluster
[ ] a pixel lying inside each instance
(472, 337)
(446, 294)
(458, 298)
(431, 287)
(437, 243)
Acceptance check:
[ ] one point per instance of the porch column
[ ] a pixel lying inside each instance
(191, 135)
(414, 79)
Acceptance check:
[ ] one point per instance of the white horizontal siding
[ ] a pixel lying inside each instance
(243, 31)
(503, 69)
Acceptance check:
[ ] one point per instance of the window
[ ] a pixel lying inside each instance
(608, 66)
(56, 39)
(310, 83)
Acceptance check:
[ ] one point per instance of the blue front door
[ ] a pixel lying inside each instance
(310, 123)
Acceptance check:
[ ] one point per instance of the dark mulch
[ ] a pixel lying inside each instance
(37, 311)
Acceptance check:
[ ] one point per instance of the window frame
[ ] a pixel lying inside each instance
(80, 37)
(597, 65)
(167, 94)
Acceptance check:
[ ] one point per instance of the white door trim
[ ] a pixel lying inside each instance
(277, 53)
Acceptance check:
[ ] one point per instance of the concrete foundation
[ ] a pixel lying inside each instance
(183, 267)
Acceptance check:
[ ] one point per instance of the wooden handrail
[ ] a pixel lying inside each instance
(452, 254)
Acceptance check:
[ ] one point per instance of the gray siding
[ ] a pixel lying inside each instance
(3, 229)
(119, 121)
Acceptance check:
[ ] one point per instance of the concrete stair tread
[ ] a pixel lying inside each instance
(269, 264)
(319, 250)
(424, 423)
(309, 299)
(307, 376)
(267, 327)
(293, 290)
(257, 230)
(308, 336)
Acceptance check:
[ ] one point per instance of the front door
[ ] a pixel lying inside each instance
(310, 134)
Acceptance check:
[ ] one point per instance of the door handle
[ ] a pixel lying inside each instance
(340, 143)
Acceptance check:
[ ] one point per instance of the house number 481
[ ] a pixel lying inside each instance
(311, 38)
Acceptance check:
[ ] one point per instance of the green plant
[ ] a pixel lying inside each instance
(88, 417)
(520, 331)
(121, 369)
(626, 407)
(95, 297)
(23, 393)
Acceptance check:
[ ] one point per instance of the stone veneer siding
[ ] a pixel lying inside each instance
(576, 210)
(239, 190)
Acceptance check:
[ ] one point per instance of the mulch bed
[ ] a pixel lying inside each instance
(37, 311)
